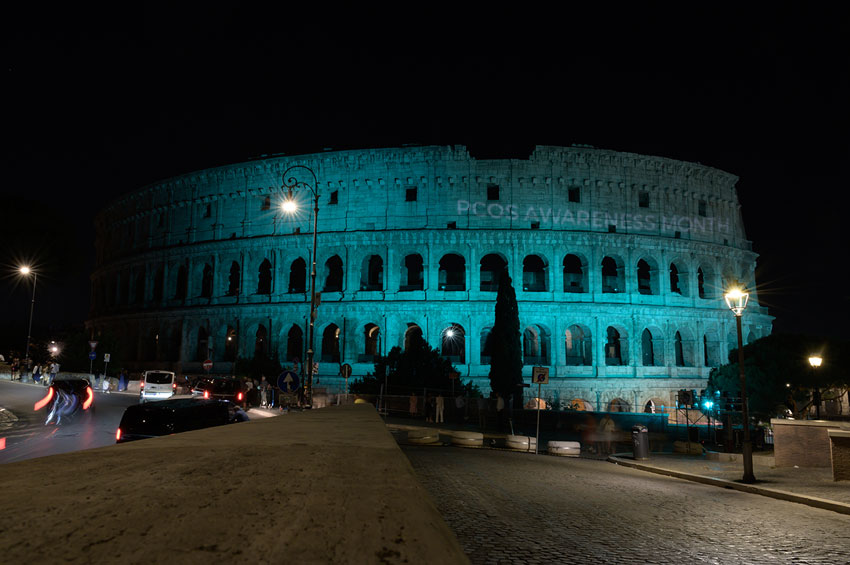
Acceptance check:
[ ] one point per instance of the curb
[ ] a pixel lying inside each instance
(813, 501)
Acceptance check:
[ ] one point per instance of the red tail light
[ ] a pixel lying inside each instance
(43, 402)
(173, 386)
(206, 394)
(142, 383)
(89, 399)
(118, 434)
(239, 397)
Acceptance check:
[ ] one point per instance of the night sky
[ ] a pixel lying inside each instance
(98, 104)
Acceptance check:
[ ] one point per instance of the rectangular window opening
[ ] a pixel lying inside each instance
(492, 192)
(451, 226)
(702, 208)
(574, 194)
(334, 197)
(410, 194)
(643, 199)
(535, 225)
(612, 228)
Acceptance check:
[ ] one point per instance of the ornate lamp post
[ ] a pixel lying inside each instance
(289, 206)
(26, 271)
(736, 300)
(815, 361)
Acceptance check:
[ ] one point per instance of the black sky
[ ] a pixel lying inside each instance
(100, 103)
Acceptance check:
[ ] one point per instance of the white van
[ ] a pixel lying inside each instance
(157, 385)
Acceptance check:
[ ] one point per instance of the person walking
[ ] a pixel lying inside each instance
(500, 410)
(482, 412)
(439, 407)
(54, 370)
(606, 429)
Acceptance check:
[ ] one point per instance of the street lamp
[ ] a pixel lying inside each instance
(815, 361)
(736, 300)
(289, 206)
(26, 271)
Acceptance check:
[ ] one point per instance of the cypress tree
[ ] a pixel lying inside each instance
(504, 342)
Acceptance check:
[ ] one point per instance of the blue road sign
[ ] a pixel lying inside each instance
(287, 381)
(92, 356)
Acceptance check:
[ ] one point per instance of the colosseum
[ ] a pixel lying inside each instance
(619, 262)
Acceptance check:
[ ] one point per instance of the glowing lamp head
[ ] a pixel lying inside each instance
(736, 300)
(289, 206)
(450, 333)
(25, 270)
(815, 361)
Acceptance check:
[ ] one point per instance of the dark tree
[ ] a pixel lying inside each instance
(505, 342)
(779, 375)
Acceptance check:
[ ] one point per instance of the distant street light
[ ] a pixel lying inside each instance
(26, 271)
(815, 361)
(736, 300)
(290, 206)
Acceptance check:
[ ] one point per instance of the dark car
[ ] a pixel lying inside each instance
(66, 399)
(176, 415)
(222, 388)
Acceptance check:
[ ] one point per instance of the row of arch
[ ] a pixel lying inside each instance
(451, 276)
(536, 345)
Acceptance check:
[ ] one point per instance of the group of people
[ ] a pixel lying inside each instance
(434, 408)
(42, 373)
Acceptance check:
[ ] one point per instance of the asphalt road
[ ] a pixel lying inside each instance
(29, 437)
(508, 507)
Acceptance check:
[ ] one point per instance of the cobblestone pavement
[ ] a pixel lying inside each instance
(508, 507)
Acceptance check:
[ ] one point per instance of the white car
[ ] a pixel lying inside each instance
(157, 385)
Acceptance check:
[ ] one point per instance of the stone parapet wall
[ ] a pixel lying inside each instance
(803, 443)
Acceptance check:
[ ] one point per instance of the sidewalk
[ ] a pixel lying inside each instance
(805, 485)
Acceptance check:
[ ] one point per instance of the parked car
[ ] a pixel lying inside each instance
(223, 388)
(176, 415)
(157, 385)
(66, 399)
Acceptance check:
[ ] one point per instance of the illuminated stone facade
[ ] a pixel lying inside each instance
(618, 260)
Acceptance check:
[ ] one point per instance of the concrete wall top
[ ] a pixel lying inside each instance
(812, 423)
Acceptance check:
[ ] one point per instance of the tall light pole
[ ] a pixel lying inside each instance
(290, 206)
(815, 361)
(736, 300)
(26, 271)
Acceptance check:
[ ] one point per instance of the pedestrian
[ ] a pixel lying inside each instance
(500, 410)
(36, 373)
(482, 412)
(54, 370)
(439, 407)
(264, 392)
(459, 406)
(607, 427)
(413, 404)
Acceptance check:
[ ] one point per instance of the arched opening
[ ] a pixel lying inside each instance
(261, 343)
(618, 405)
(158, 285)
(207, 282)
(453, 343)
(231, 344)
(139, 298)
(581, 405)
(233, 279)
(372, 273)
(675, 280)
(333, 274)
(486, 346)
(412, 273)
(330, 344)
(535, 346)
(294, 344)
(412, 336)
(264, 278)
(574, 274)
(683, 347)
(372, 343)
(646, 348)
(612, 275)
(645, 278)
(452, 274)
(203, 346)
(492, 266)
(652, 347)
(298, 276)
(182, 283)
(534, 274)
(578, 346)
(614, 354)
(711, 349)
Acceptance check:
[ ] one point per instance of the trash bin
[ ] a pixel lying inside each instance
(640, 443)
